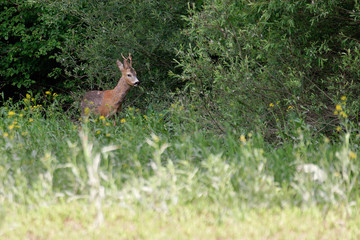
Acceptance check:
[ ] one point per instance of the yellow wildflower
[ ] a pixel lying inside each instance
(48, 93)
(271, 105)
(242, 139)
(108, 134)
(11, 113)
(102, 118)
(33, 99)
(123, 120)
(290, 107)
(55, 94)
(11, 126)
(338, 128)
(160, 114)
(343, 98)
(343, 114)
(98, 132)
(28, 96)
(31, 120)
(352, 155)
(87, 111)
(338, 107)
(336, 112)
(5, 134)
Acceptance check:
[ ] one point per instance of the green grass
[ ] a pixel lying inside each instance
(75, 220)
(158, 174)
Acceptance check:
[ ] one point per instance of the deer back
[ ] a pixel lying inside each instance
(91, 102)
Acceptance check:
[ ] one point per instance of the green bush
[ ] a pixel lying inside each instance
(277, 63)
(29, 42)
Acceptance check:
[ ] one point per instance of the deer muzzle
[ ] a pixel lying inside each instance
(137, 83)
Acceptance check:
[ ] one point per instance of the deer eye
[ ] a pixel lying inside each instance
(129, 75)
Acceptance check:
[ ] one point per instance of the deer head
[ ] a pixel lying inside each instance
(128, 73)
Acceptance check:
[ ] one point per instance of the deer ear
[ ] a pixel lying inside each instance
(120, 65)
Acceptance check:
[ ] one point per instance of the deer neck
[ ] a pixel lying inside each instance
(120, 91)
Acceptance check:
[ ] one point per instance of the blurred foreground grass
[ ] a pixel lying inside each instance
(161, 175)
(74, 220)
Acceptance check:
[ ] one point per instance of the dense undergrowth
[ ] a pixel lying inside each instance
(156, 160)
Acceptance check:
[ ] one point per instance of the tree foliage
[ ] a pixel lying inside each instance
(29, 41)
(272, 61)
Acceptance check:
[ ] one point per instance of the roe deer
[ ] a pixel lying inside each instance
(107, 103)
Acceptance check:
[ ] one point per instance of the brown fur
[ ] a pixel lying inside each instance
(107, 103)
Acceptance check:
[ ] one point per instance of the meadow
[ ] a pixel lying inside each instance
(162, 175)
(245, 124)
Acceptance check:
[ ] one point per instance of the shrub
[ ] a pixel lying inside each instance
(29, 42)
(244, 58)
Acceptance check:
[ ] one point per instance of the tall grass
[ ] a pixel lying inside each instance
(160, 159)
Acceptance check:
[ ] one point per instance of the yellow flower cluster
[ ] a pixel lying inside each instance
(14, 125)
(352, 155)
(242, 139)
(271, 105)
(35, 107)
(339, 108)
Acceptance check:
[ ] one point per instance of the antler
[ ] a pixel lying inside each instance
(130, 58)
(126, 59)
